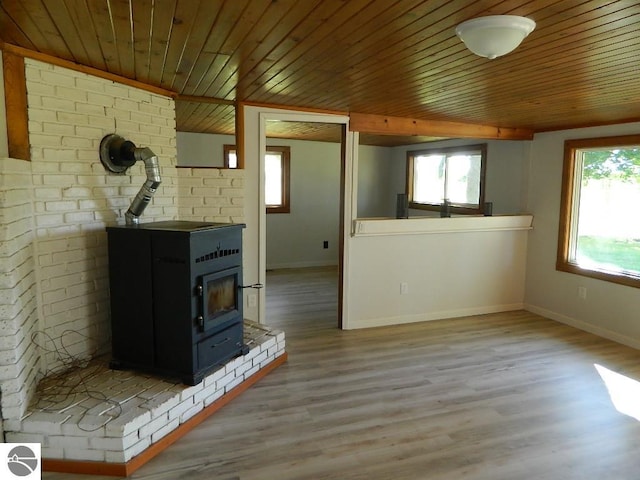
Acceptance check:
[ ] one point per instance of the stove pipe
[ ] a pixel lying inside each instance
(118, 154)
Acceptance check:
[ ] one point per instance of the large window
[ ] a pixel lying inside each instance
(454, 174)
(599, 231)
(276, 165)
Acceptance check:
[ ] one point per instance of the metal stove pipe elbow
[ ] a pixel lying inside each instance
(148, 189)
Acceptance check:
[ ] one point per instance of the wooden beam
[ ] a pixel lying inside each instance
(15, 98)
(194, 99)
(43, 57)
(385, 125)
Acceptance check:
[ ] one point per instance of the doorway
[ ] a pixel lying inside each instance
(255, 121)
(302, 241)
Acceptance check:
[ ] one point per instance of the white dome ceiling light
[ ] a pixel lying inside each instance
(494, 35)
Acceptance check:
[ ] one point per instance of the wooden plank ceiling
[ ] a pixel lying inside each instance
(387, 57)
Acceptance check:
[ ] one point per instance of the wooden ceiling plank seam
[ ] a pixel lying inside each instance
(185, 14)
(307, 52)
(247, 30)
(79, 14)
(441, 58)
(123, 35)
(238, 20)
(310, 37)
(559, 55)
(57, 11)
(98, 9)
(364, 41)
(525, 76)
(228, 17)
(550, 56)
(419, 66)
(194, 47)
(11, 32)
(37, 22)
(163, 15)
(370, 50)
(273, 20)
(280, 33)
(142, 12)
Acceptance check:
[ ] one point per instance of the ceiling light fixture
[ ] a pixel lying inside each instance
(494, 35)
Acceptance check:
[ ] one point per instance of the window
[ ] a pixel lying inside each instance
(599, 235)
(276, 166)
(455, 174)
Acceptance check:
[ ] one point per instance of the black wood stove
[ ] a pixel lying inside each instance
(176, 302)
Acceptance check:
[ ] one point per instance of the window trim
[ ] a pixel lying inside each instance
(482, 147)
(285, 153)
(567, 198)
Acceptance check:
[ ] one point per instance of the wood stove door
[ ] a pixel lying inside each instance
(220, 302)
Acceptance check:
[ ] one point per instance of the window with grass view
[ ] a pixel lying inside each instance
(455, 174)
(599, 233)
(276, 169)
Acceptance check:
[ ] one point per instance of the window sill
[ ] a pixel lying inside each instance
(431, 225)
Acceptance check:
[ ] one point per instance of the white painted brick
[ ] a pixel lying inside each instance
(153, 426)
(52, 452)
(137, 449)
(69, 442)
(243, 368)
(84, 454)
(164, 431)
(253, 370)
(189, 392)
(234, 383)
(194, 410)
(20, 437)
(215, 396)
(261, 357)
(128, 422)
(178, 410)
(212, 378)
(161, 404)
(114, 456)
(205, 393)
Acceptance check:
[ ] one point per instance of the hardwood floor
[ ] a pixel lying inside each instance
(502, 396)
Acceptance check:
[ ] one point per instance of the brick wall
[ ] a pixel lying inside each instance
(211, 194)
(18, 317)
(53, 271)
(75, 198)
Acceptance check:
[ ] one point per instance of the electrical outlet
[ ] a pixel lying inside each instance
(252, 300)
(404, 288)
(325, 244)
(582, 293)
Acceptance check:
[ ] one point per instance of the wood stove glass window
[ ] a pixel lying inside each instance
(220, 297)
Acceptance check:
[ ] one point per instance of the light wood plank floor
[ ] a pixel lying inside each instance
(503, 396)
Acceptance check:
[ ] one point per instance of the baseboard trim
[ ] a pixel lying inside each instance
(584, 326)
(427, 317)
(126, 469)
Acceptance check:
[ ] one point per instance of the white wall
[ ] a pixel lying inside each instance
(609, 310)
(201, 149)
(296, 239)
(376, 193)
(506, 175)
(448, 271)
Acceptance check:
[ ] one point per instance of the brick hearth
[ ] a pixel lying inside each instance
(102, 415)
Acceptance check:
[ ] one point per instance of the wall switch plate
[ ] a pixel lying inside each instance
(582, 293)
(404, 288)
(325, 244)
